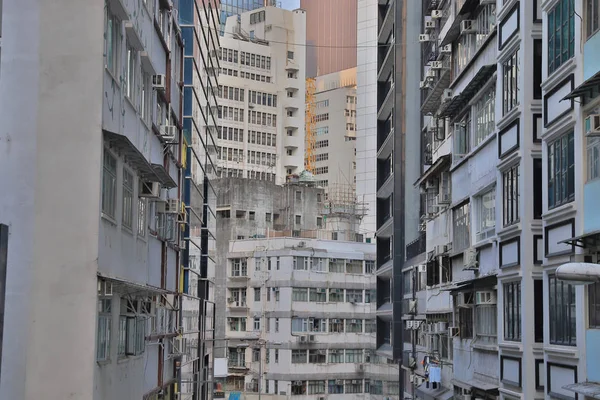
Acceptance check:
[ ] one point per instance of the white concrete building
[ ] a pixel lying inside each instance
(95, 216)
(262, 92)
(300, 314)
(335, 132)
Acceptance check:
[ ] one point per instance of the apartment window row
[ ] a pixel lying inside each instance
(321, 170)
(322, 157)
(230, 133)
(230, 172)
(231, 93)
(320, 295)
(561, 34)
(323, 130)
(228, 55)
(262, 118)
(262, 158)
(130, 203)
(333, 265)
(322, 183)
(321, 117)
(348, 386)
(255, 60)
(262, 99)
(230, 154)
(332, 325)
(230, 113)
(470, 43)
(255, 77)
(262, 138)
(324, 356)
(321, 143)
(322, 103)
(229, 72)
(261, 176)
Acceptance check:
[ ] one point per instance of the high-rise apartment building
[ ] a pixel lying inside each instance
(330, 35)
(261, 90)
(335, 132)
(94, 278)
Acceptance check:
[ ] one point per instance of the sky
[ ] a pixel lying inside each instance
(290, 4)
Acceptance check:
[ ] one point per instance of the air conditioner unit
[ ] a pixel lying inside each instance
(437, 64)
(302, 339)
(230, 300)
(422, 268)
(439, 249)
(443, 198)
(424, 38)
(437, 14)
(453, 331)
(174, 206)
(468, 26)
(429, 24)
(149, 189)
(409, 324)
(168, 132)
(312, 338)
(485, 297)
(447, 95)
(159, 82)
(430, 74)
(447, 49)
(592, 125)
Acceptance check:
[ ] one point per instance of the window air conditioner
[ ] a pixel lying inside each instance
(149, 189)
(436, 65)
(158, 82)
(424, 38)
(447, 49)
(168, 132)
(447, 95)
(437, 14)
(429, 24)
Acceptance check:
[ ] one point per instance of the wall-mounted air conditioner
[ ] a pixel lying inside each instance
(447, 95)
(447, 49)
(149, 189)
(437, 14)
(429, 24)
(424, 38)
(159, 82)
(437, 64)
(592, 125)
(168, 132)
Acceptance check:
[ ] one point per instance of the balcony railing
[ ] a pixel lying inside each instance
(416, 247)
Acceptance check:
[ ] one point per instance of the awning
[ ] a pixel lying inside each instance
(475, 384)
(480, 282)
(164, 177)
(460, 101)
(428, 393)
(127, 287)
(589, 88)
(587, 389)
(437, 166)
(590, 239)
(434, 98)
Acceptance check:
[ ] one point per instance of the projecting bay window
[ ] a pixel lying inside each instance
(510, 196)
(561, 171)
(563, 314)
(561, 34)
(510, 83)
(104, 330)
(486, 215)
(109, 185)
(461, 227)
(485, 116)
(512, 311)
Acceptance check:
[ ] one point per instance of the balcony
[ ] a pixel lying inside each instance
(385, 64)
(385, 95)
(386, 22)
(384, 178)
(416, 247)
(238, 305)
(384, 252)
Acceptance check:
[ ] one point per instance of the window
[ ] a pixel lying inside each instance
(277, 263)
(369, 266)
(485, 116)
(353, 386)
(512, 311)
(537, 188)
(104, 330)
(592, 17)
(510, 83)
(298, 387)
(537, 68)
(237, 357)
(462, 137)
(336, 265)
(301, 263)
(354, 356)
(257, 323)
(354, 325)
(594, 306)
(131, 73)
(354, 267)
(318, 295)
(593, 158)
(113, 34)
(538, 308)
(336, 356)
(142, 221)
(336, 295)
(563, 320)
(237, 324)
(132, 329)
(239, 267)
(317, 356)
(354, 295)
(299, 324)
(298, 219)
(299, 294)
(465, 316)
(276, 356)
(290, 55)
(336, 325)
(561, 171)
(317, 325)
(461, 228)
(486, 215)
(335, 386)
(276, 324)
(257, 294)
(511, 196)
(109, 185)
(561, 34)
(486, 329)
(127, 199)
(316, 387)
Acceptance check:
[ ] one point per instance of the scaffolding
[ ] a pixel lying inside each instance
(309, 161)
(342, 201)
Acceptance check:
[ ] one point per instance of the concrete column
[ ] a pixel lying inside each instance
(50, 168)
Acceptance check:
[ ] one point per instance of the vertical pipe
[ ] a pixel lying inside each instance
(3, 267)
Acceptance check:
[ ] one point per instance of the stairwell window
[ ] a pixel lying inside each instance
(109, 185)
(510, 196)
(104, 330)
(510, 83)
(130, 77)
(512, 311)
(561, 171)
(561, 34)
